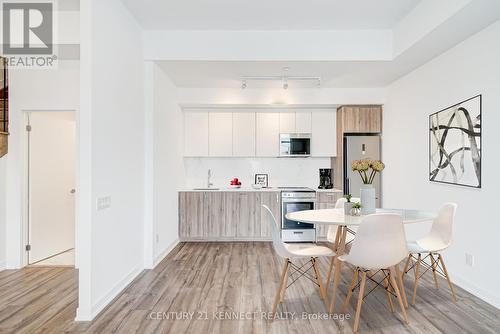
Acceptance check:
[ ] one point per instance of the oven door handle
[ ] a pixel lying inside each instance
(295, 200)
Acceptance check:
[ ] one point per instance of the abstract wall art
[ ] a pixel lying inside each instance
(455, 144)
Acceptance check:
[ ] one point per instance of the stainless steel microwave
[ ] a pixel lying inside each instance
(295, 144)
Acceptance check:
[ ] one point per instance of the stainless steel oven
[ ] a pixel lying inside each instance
(292, 200)
(295, 144)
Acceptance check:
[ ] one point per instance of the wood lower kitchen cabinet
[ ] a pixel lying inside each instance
(193, 215)
(272, 200)
(243, 213)
(226, 215)
(325, 200)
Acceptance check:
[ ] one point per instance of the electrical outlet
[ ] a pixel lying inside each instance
(157, 238)
(103, 203)
(469, 260)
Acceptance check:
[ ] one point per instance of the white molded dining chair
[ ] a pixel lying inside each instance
(437, 240)
(290, 251)
(380, 245)
(333, 235)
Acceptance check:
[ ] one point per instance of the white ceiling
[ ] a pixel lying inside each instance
(227, 74)
(269, 14)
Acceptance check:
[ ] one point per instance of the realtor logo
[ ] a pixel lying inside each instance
(27, 28)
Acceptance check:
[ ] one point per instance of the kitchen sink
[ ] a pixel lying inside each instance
(206, 189)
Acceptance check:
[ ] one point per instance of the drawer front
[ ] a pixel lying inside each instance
(327, 197)
(295, 235)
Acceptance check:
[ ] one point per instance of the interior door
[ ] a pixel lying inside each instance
(52, 160)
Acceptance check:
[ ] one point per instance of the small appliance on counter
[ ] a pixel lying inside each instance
(325, 178)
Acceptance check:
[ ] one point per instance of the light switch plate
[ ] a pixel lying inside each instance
(469, 260)
(103, 203)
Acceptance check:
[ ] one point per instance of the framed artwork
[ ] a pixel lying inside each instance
(262, 180)
(455, 144)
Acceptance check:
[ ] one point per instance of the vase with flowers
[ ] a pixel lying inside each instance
(367, 170)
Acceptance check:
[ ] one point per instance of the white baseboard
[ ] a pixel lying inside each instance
(478, 292)
(108, 297)
(163, 254)
(3, 265)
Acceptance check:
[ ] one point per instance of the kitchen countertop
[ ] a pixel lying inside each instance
(333, 190)
(250, 189)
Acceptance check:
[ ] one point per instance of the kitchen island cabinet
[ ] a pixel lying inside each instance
(226, 215)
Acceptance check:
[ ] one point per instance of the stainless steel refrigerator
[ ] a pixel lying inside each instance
(358, 147)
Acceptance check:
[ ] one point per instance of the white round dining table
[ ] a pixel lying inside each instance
(337, 216)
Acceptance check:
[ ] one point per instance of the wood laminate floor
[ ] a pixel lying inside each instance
(218, 281)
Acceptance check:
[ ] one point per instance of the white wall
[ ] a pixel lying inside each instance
(470, 68)
(30, 90)
(281, 171)
(168, 163)
(111, 152)
(3, 193)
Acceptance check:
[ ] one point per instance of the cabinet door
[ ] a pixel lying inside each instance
(328, 197)
(243, 214)
(303, 122)
(216, 226)
(268, 129)
(193, 215)
(196, 134)
(287, 122)
(220, 134)
(321, 229)
(363, 119)
(324, 134)
(244, 134)
(272, 200)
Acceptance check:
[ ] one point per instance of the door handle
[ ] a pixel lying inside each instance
(72, 191)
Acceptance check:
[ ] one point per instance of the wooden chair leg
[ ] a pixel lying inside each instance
(398, 294)
(388, 293)
(434, 266)
(406, 265)
(336, 279)
(337, 238)
(281, 286)
(440, 258)
(417, 274)
(399, 280)
(354, 280)
(318, 279)
(329, 275)
(360, 301)
(283, 290)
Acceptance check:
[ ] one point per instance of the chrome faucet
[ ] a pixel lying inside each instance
(209, 184)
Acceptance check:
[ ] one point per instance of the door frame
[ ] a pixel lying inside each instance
(26, 214)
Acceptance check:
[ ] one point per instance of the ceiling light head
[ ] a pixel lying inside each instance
(285, 84)
(243, 84)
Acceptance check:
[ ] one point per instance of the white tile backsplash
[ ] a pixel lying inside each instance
(281, 171)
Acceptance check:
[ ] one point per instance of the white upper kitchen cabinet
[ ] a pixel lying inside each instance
(303, 122)
(220, 134)
(324, 134)
(268, 131)
(196, 134)
(244, 134)
(287, 122)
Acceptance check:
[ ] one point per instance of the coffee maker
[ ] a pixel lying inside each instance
(325, 178)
